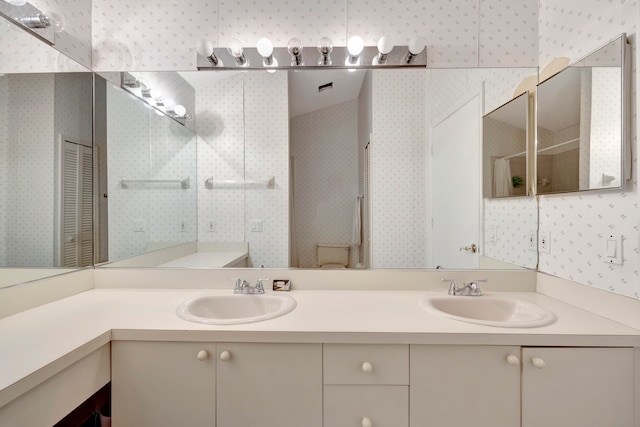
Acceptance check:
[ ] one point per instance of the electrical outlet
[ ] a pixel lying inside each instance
(256, 225)
(183, 226)
(211, 226)
(532, 242)
(138, 225)
(544, 241)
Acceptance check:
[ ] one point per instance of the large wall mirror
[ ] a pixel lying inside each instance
(46, 193)
(306, 169)
(582, 124)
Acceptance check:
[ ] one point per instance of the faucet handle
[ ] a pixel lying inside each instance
(453, 287)
(474, 286)
(259, 289)
(238, 285)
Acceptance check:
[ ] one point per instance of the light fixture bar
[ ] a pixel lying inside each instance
(30, 19)
(308, 59)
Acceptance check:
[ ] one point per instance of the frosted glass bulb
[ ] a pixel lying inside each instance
(416, 45)
(294, 46)
(385, 45)
(235, 48)
(265, 47)
(355, 45)
(180, 110)
(204, 47)
(325, 46)
(17, 2)
(56, 22)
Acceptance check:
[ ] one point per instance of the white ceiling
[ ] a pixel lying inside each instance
(304, 97)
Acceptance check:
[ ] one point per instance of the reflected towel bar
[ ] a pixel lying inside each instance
(184, 182)
(268, 183)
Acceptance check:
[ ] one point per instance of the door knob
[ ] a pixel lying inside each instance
(473, 248)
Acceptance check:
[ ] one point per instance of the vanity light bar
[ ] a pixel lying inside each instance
(282, 60)
(29, 18)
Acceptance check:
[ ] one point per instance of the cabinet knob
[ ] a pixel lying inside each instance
(366, 422)
(367, 367)
(513, 360)
(538, 363)
(225, 355)
(203, 355)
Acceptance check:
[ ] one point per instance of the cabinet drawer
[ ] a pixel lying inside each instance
(349, 405)
(366, 364)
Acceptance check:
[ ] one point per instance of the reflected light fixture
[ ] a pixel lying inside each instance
(205, 49)
(325, 46)
(145, 89)
(235, 49)
(385, 46)
(416, 46)
(36, 20)
(355, 45)
(294, 47)
(265, 49)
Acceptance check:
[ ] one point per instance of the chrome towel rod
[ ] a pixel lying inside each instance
(184, 182)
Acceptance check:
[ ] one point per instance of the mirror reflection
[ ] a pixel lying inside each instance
(581, 125)
(504, 149)
(283, 179)
(46, 192)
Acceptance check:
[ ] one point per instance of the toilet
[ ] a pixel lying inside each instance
(333, 256)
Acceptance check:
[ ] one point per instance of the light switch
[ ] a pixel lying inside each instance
(256, 225)
(612, 249)
(138, 225)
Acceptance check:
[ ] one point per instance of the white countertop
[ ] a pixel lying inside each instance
(207, 260)
(39, 342)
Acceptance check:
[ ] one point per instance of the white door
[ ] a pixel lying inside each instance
(455, 183)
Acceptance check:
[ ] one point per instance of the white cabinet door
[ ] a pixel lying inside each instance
(159, 384)
(269, 385)
(460, 386)
(581, 387)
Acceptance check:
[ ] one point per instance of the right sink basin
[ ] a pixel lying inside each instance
(503, 312)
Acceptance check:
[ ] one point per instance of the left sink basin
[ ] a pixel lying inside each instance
(233, 309)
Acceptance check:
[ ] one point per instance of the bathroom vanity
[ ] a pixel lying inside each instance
(340, 358)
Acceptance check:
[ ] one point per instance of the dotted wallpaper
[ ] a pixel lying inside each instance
(220, 126)
(267, 154)
(143, 145)
(75, 16)
(576, 222)
(398, 202)
(232, 148)
(325, 147)
(161, 35)
(30, 226)
(4, 167)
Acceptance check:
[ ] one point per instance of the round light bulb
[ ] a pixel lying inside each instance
(56, 22)
(416, 45)
(355, 45)
(168, 103)
(204, 47)
(17, 2)
(235, 48)
(325, 46)
(294, 46)
(385, 45)
(265, 47)
(180, 110)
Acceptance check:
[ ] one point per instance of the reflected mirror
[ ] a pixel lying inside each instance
(504, 149)
(46, 193)
(582, 124)
(307, 169)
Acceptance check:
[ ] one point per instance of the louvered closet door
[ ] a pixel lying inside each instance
(77, 205)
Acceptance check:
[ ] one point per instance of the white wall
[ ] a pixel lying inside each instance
(325, 147)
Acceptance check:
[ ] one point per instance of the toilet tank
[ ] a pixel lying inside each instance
(333, 255)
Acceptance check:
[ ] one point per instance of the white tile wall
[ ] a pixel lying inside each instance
(4, 166)
(325, 147)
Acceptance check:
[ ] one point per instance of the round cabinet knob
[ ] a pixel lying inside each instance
(366, 422)
(203, 355)
(513, 360)
(367, 367)
(538, 363)
(225, 355)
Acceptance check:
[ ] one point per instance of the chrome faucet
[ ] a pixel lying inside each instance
(244, 287)
(468, 289)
